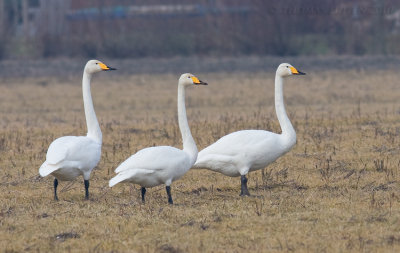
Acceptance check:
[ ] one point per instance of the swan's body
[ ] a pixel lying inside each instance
(246, 152)
(154, 166)
(71, 156)
(164, 164)
(241, 152)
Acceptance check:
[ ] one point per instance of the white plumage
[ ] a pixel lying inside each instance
(154, 166)
(246, 152)
(70, 156)
(238, 153)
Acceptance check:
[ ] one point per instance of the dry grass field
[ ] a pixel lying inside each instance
(338, 189)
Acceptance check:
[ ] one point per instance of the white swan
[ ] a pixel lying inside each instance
(72, 156)
(153, 166)
(238, 153)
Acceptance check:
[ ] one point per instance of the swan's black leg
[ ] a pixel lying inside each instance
(86, 189)
(55, 189)
(168, 188)
(143, 193)
(244, 191)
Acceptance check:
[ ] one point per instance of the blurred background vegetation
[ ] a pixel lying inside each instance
(164, 28)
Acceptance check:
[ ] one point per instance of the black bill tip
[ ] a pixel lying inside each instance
(201, 83)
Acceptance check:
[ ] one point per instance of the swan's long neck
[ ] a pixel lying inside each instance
(93, 127)
(288, 131)
(189, 146)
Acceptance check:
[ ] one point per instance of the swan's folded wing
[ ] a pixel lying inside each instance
(57, 152)
(59, 149)
(153, 159)
(238, 142)
(80, 152)
(74, 148)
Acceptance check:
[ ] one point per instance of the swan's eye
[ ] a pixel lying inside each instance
(287, 67)
(189, 77)
(97, 63)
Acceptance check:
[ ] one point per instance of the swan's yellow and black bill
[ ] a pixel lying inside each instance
(105, 67)
(296, 72)
(197, 81)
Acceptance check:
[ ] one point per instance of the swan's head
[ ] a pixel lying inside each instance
(189, 79)
(285, 69)
(94, 66)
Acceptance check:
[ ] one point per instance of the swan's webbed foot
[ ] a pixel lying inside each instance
(244, 191)
(143, 193)
(55, 189)
(86, 182)
(168, 188)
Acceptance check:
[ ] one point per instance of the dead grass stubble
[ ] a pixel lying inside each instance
(337, 190)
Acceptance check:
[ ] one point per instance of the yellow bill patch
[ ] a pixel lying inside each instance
(294, 70)
(195, 80)
(103, 66)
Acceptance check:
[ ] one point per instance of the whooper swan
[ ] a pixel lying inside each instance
(153, 166)
(238, 153)
(71, 156)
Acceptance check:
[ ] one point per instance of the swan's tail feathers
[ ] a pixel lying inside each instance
(213, 161)
(46, 169)
(119, 178)
(129, 175)
(124, 166)
(119, 169)
(201, 163)
(198, 166)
